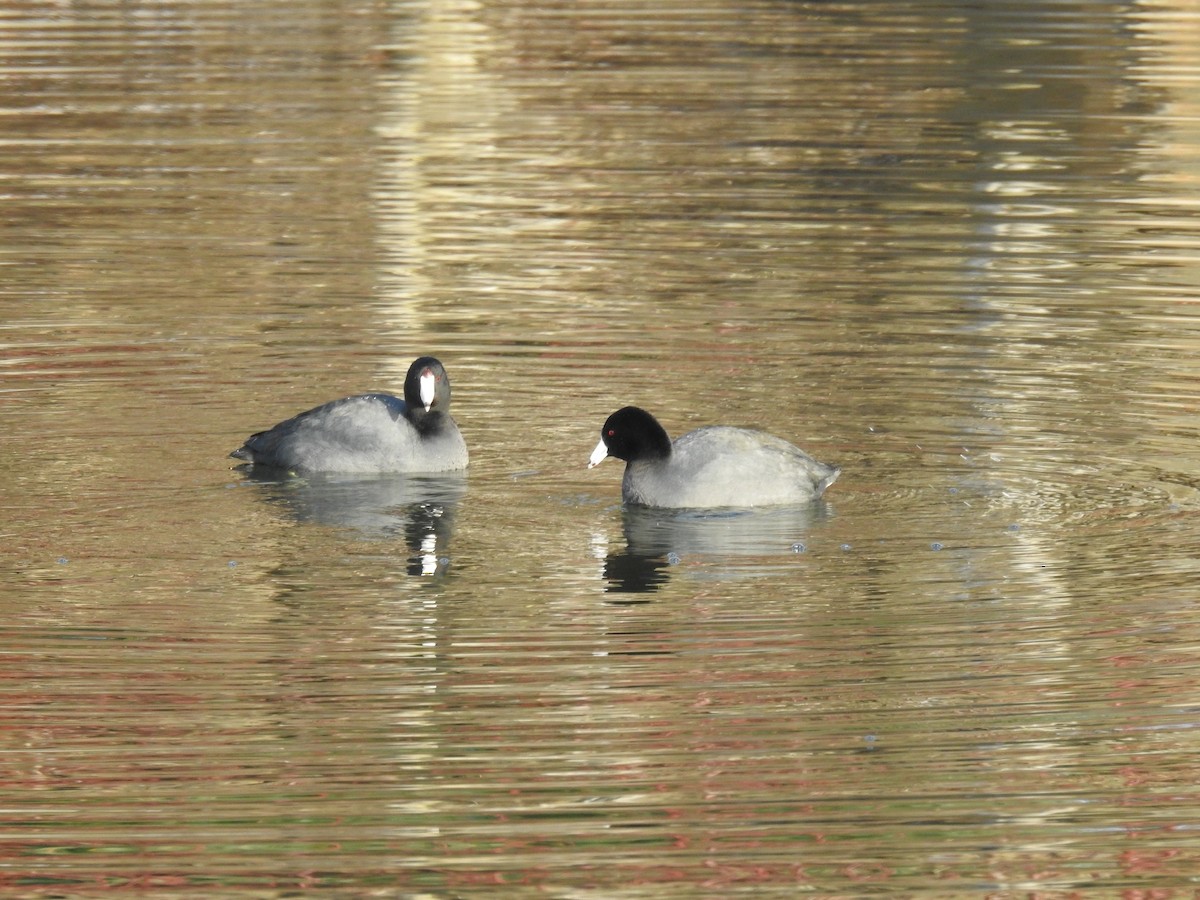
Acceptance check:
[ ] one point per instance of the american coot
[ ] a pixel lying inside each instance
(710, 467)
(370, 432)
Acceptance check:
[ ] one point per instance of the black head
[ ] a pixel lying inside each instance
(633, 434)
(427, 387)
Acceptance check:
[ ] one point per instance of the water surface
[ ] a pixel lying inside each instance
(952, 250)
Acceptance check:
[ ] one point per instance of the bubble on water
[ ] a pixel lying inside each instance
(62, 560)
(232, 564)
(673, 558)
(798, 547)
(846, 547)
(1014, 527)
(954, 490)
(936, 545)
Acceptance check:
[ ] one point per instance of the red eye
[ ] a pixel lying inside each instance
(611, 432)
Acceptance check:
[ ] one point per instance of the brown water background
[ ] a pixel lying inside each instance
(951, 247)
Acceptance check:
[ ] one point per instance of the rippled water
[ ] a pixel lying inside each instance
(951, 248)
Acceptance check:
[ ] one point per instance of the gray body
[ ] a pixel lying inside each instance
(362, 434)
(720, 465)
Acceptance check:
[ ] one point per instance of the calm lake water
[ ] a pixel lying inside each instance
(952, 247)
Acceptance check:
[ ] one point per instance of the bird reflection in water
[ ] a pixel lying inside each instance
(420, 509)
(731, 543)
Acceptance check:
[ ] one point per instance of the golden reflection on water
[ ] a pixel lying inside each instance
(949, 250)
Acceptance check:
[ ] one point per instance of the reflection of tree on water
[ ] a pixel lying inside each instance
(418, 508)
(734, 542)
